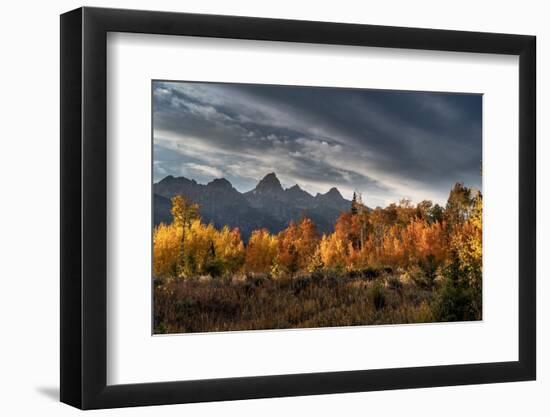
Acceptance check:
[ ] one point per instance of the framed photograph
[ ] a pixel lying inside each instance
(256, 208)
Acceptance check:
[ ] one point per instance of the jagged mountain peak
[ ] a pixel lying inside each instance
(269, 205)
(220, 183)
(296, 192)
(269, 183)
(295, 187)
(334, 192)
(171, 179)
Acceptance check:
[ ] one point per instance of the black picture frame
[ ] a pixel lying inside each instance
(84, 207)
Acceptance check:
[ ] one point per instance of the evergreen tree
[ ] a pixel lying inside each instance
(354, 208)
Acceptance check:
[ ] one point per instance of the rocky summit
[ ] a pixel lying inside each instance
(268, 205)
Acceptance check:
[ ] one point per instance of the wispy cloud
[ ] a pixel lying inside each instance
(386, 144)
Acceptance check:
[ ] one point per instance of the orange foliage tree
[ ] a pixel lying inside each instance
(403, 235)
(297, 245)
(261, 251)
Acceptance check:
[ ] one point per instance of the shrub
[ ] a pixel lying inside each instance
(317, 276)
(377, 296)
(258, 279)
(421, 277)
(354, 273)
(394, 283)
(423, 313)
(300, 283)
(455, 302)
(370, 273)
(214, 267)
(429, 267)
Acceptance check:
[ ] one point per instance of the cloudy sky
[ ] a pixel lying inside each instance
(385, 144)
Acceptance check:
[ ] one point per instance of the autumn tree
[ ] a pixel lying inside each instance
(288, 254)
(261, 251)
(357, 203)
(333, 251)
(230, 249)
(405, 212)
(183, 213)
(379, 223)
(343, 227)
(424, 210)
(297, 245)
(459, 204)
(460, 295)
(166, 250)
(199, 250)
(436, 213)
(359, 222)
(422, 241)
(467, 244)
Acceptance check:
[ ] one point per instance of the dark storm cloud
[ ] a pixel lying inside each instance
(386, 144)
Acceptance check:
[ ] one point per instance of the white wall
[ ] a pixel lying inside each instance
(29, 237)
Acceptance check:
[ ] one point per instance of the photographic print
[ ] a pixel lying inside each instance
(288, 207)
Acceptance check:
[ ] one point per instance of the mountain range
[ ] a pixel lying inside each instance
(268, 205)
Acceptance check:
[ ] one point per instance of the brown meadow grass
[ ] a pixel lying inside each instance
(258, 301)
